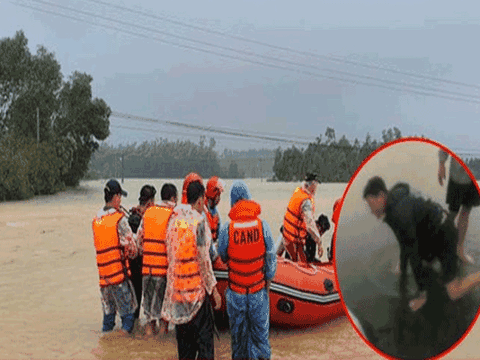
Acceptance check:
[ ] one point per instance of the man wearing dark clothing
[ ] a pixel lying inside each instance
(146, 199)
(424, 232)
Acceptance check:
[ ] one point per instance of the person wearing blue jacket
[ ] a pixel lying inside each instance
(246, 245)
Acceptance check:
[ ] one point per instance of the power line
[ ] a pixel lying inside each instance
(207, 128)
(170, 132)
(197, 49)
(454, 98)
(270, 58)
(291, 137)
(238, 133)
(306, 53)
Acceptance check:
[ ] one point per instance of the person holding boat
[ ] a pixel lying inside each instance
(115, 244)
(246, 245)
(424, 232)
(151, 236)
(299, 221)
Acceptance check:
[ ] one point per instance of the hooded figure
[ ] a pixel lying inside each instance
(246, 245)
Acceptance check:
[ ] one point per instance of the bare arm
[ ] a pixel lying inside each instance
(442, 173)
(307, 211)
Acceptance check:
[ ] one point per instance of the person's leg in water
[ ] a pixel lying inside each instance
(151, 328)
(462, 224)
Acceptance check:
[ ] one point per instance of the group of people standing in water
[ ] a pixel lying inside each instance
(161, 255)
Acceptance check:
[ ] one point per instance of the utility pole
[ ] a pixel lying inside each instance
(38, 126)
(122, 165)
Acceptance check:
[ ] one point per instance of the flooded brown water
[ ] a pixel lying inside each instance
(50, 300)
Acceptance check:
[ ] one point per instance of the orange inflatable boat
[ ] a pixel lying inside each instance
(300, 294)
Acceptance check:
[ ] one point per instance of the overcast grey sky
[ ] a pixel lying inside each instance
(140, 75)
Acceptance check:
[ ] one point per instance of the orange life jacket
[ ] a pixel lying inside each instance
(111, 268)
(187, 282)
(155, 221)
(246, 248)
(213, 221)
(294, 226)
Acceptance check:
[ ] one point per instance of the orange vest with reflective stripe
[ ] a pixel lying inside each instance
(213, 221)
(187, 282)
(246, 248)
(294, 227)
(155, 221)
(111, 268)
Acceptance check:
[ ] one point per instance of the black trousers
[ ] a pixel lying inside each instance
(442, 245)
(136, 270)
(195, 338)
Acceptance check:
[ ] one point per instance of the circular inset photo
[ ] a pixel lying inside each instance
(407, 249)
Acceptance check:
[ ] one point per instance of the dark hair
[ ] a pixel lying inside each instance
(168, 191)
(309, 177)
(374, 186)
(147, 193)
(195, 191)
(112, 187)
(108, 196)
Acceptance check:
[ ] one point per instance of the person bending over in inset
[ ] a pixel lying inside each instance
(424, 232)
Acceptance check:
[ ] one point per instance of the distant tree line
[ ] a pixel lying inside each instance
(160, 159)
(252, 163)
(336, 161)
(48, 127)
(332, 160)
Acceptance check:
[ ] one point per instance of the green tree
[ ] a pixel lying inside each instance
(27, 83)
(233, 172)
(36, 103)
(82, 120)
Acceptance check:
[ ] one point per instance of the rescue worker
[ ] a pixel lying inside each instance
(423, 233)
(462, 196)
(246, 245)
(146, 199)
(215, 187)
(115, 243)
(299, 220)
(152, 235)
(190, 278)
(188, 180)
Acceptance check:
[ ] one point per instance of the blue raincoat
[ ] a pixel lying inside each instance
(249, 314)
